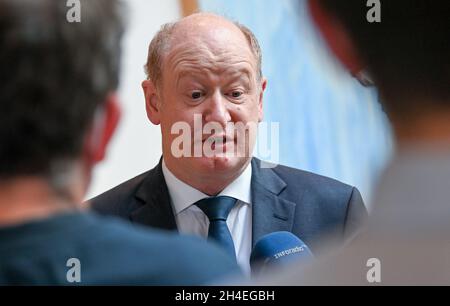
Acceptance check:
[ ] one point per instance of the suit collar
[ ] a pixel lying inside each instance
(157, 210)
(271, 213)
(184, 195)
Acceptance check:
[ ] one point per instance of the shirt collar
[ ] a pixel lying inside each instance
(184, 195)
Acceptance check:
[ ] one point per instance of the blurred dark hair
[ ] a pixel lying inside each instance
(53, 76)
(407, 53)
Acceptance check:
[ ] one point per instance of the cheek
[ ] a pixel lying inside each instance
(173, 111)
(173, 117)
(246, 112)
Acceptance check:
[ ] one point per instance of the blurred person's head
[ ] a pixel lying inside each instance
(406, 54)
(58, 84)
(206, 66)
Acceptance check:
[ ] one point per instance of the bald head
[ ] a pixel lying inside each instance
(201, 25)
(201, 30)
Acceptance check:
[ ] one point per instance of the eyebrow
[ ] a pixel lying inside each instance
(242, 71)
(184, 74)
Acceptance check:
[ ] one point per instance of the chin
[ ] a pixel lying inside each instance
(220, 164)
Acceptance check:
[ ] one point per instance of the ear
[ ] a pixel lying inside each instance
(152, 102)
(105, 123)
(336, 37)
(261, 100)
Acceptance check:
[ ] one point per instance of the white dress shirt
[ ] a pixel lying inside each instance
(191, 219)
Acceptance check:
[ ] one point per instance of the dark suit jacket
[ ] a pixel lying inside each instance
(283, 199)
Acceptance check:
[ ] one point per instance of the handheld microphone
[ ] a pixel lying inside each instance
(278, 249)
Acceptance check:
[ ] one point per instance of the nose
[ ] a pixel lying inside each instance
(217, 110)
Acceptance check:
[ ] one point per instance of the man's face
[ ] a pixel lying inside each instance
(210, 81)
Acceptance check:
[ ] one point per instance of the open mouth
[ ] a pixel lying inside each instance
(218, 141)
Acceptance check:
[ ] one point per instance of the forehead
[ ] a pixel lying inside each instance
(209, 50)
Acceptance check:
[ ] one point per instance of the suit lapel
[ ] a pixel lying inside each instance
(157, 211)
(270, 212)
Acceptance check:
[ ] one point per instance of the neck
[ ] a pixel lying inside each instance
(28, 198)
(211, 183)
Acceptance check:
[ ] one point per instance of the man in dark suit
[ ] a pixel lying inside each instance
(206, 71)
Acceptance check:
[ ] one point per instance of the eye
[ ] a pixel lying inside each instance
(236, 94)
(195, 95)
